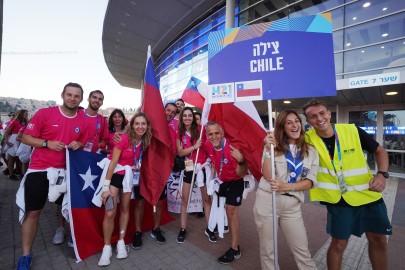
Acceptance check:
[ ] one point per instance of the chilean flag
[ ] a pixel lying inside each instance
(242, 127)
(158, 160)
(86, 219)
(191, 94)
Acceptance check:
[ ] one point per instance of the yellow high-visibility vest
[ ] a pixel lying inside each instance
(356, 173)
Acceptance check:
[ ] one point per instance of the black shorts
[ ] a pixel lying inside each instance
(36, 191)
(188, 177)
(116, 180)
(232, 191)
(138, 195)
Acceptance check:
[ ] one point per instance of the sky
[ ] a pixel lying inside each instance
(73, 26)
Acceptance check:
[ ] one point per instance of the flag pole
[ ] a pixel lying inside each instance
(194, 170)
(273, 175)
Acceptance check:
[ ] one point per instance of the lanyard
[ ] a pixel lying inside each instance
(185, 143)
(138, 163)
(97, 124)
(222, 158)
(338, 150)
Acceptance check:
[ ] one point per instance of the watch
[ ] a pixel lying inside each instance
(45, 144)
(385, 174)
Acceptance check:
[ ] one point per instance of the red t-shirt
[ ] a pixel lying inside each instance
(229, 165)
(97, 129)
(15, 126)
(51, 124)
(128, 152)
(186, 142)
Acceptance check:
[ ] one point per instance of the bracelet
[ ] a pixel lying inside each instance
(266, 155)
(293, 187)
(106, 186)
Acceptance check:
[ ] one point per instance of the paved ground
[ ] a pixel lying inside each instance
(197, 252)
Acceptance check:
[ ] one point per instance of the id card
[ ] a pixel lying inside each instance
(342, 184)
(135, 178)
(189, 164)
(88, 146)
(217, 184)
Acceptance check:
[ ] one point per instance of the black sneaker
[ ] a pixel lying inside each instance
(182, 236)
(200, 215)
(226, 229)
(211, 236)
(157, 235)
(137, 241)
(12, 177)
(230, 256)
(6, 172)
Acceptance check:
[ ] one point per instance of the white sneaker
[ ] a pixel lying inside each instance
(122, 251)
(59, 236)
(105, 257)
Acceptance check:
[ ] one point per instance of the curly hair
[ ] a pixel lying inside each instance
(146, 138)
(111, 122)
(193, 128)
(281, 137)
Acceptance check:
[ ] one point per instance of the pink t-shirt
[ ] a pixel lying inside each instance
(128, 153)
(15, 126)
(110, 140)
(97, 129)
(229, 165)
(186, 142)
(51, 124)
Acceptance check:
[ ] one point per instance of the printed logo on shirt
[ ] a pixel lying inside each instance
(349, 151)
(225, 160)
(77, 129)
(30, 126)
(98, 125)
(305, 172)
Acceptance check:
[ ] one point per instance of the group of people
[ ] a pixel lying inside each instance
(326, 160)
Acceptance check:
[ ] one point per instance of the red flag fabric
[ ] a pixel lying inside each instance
(191, 94)
(159, 158)
(242, 131)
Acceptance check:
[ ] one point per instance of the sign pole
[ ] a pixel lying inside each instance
(273, 175)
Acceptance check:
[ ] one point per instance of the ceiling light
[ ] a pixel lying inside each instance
(354, 18)
(286, 102)
(362, 51)
(348, 44)
(384, 35)
(384, 9)
(366, 4)
(393, 93)
(382, 47)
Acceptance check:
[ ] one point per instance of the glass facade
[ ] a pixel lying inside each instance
(369, 38)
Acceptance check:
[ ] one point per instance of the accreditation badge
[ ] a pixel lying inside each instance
(135, 178)
(189, 164)
(88, 146)
(217, 184)
(342, 183)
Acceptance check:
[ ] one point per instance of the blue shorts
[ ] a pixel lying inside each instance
(345, 220)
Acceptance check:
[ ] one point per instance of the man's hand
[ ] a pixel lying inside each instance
(236, 154)
(75, 145)
(56, 145)
(377, 184)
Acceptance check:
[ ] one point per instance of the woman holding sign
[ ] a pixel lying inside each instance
(187, 143)
(296, 166)
(122, 174)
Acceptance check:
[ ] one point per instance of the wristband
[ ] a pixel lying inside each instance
(293, 187)
(266, 155)
(106, 186)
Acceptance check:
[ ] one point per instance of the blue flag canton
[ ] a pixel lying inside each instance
(240, 86)
(84, 177)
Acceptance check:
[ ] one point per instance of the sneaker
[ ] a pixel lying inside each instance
(230, 256)
(226, 229)
(105, 257)
(182, 236)
(24, 263)
(157, 235)
(200, 215)
(12, 177)
(211, 236)
(59, 236)
(6, 172)
(70, 243)
(137, 242)
(122, 250)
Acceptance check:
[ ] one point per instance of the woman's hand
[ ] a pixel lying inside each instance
(276, 185)
(269, 140)
(105, 195)
(198, 144)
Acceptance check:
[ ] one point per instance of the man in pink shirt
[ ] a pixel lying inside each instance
(50, 132)
(230, 168)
